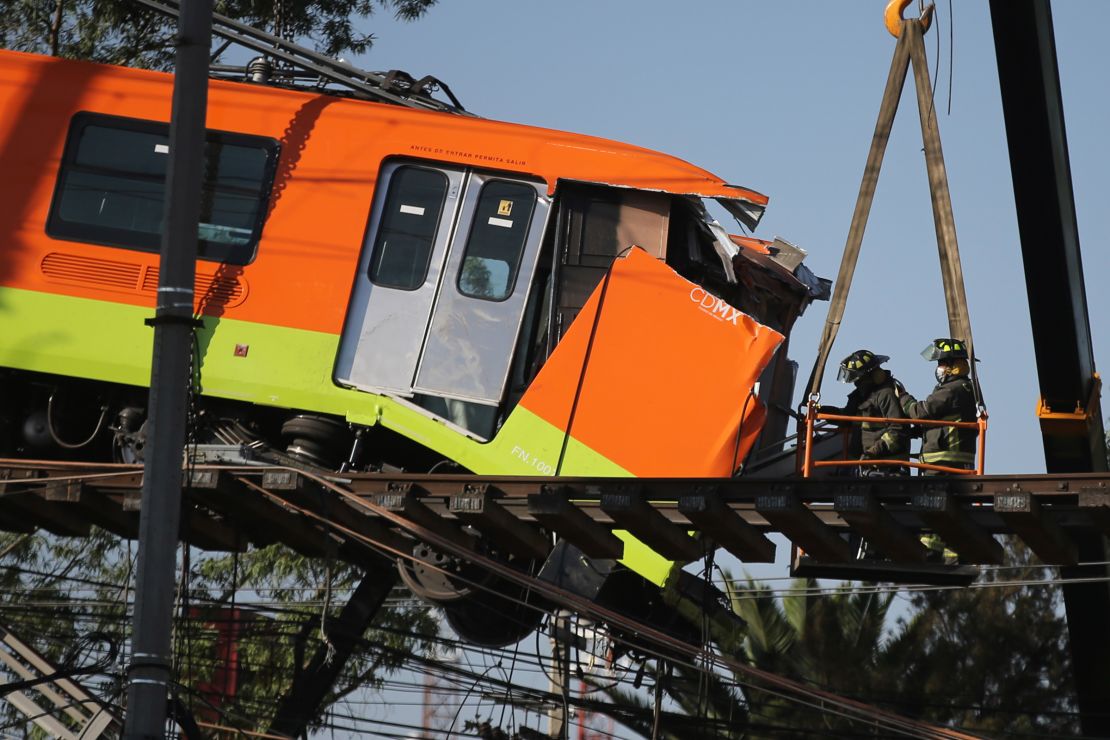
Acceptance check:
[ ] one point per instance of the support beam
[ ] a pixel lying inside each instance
(553, 510)
(293, 487)
(786, 512)
(862, 511)
(1029, 80)
(259, 518)
(629, 510)
(406, 502)
(313, 684)
(940, 511)
(477, 506)
(707, 512)
(1036, 527)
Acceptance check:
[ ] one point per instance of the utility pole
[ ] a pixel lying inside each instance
(148, 674)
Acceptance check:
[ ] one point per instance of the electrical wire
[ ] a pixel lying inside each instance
(789, 690)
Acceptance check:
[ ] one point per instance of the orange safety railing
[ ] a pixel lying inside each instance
(813, 416)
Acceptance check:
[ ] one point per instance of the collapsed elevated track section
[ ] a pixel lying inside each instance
(358, 516)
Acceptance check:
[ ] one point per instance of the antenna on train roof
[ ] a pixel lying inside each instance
(395, 87)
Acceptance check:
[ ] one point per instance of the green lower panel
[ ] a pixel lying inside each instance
(283, 367)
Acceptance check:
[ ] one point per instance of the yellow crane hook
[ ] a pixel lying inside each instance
(893, 17)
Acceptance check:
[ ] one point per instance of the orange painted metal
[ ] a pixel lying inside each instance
(812, 415)
(331, 152)
(893, 19)
(594, 387)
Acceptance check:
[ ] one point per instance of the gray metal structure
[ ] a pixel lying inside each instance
(1071, 413)
(465, 344)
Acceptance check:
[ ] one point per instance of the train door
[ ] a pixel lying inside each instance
(442, 283)
(410, 230)
(477, 315)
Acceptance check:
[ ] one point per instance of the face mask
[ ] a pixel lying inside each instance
(941, 373)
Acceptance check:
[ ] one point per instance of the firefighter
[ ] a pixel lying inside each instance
(874, 396)
(953, 399)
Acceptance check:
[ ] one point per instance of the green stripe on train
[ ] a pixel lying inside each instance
(283, 367)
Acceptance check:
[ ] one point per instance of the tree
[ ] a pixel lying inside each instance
(276, 606)
(993, 659)
(832, 640)
(123, 32)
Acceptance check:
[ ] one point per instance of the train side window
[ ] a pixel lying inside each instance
(496, 240)
(112, 182)
(411, 215)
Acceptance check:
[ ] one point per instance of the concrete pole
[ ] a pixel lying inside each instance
(149, 671)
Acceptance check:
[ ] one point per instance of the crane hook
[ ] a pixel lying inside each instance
(893, 17)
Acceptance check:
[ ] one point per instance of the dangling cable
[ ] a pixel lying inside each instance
(586, 360)
(740, 430)
(951, 52)
(71, 445)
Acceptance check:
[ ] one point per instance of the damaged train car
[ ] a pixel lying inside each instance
(381, 286)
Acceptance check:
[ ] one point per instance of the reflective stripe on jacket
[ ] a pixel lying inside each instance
(953, 399)
(878, 401)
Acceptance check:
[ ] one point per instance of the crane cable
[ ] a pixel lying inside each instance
(909, 49)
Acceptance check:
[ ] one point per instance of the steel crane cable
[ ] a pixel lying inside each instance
(910, 48)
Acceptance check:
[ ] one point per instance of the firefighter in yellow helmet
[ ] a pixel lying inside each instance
(874, 397)
(953, 399)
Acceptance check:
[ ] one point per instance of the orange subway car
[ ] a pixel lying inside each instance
(383, 286)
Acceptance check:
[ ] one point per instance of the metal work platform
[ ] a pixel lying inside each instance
(359, 516)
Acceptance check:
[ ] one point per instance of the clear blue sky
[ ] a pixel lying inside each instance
(782, 97)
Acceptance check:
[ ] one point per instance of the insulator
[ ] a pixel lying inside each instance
(259, 69)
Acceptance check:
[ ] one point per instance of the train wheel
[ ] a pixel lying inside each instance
(319, 440)
(481, 608)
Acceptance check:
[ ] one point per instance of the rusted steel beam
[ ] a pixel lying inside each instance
(1036, 527)
(67, 491)
(19, 480)
(298, 490)
(728, 529)
(630, 511)
(1095, 503)
(59, 518)
(201, 530)
(786, 513)
(478, 507)
(404, 499)
(940, 510)
(859, 507)
(108, 513)
(552, 509)
(262, 521)
(887, 571)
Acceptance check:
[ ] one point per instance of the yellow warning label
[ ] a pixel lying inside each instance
(505, 208)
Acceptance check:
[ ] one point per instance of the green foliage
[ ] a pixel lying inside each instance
(992, 659)
(55, 590)
(292, 595)
(831, 639)
(121, 32)
(273, 601)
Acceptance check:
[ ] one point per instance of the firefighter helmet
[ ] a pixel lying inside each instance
(858, 364)
(945, 349)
